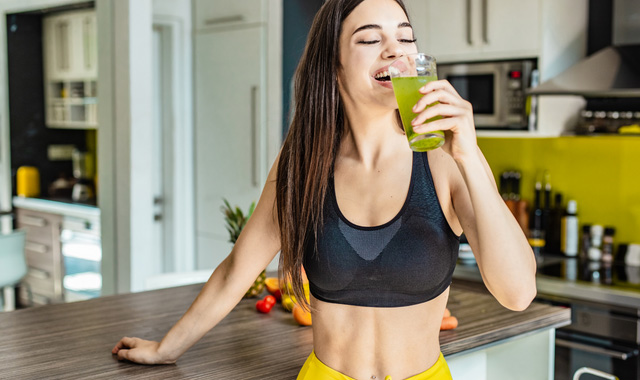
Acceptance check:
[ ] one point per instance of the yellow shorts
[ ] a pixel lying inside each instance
(314, 369)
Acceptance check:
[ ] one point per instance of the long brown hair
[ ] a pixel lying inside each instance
(310, 148)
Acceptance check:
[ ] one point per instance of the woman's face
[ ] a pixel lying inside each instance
(375, 34)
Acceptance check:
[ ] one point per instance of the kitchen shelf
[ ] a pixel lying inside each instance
(70, 69)
(72, 104)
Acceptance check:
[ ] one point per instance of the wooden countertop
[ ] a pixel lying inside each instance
(74, 340)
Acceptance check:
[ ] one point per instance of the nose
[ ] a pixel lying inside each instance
(393, 50)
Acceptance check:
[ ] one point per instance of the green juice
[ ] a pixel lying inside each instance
(407, 95)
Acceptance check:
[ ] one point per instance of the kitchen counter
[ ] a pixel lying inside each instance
(75, 340)
(58, 206)
(567, 289)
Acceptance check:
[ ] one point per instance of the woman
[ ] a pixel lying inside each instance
(375, 225)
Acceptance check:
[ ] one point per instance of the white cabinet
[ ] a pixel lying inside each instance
(230, 130)
(225, 13)
(512, 28)
(70, 45)
(70, 69)
(471, 30)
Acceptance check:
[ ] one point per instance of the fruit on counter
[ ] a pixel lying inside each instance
(235, 221)
(447, 312)
(266, 304)
(258, 286)
(302, 316)
(288, 302)
(271, 300)
(273, 287)
(449, 323)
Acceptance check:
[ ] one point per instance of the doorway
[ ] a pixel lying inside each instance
(163, 153)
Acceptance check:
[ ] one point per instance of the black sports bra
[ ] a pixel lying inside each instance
(406, 261)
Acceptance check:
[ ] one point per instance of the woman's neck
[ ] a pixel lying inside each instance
(371, 136)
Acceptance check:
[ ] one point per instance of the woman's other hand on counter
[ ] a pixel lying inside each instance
(140, 351)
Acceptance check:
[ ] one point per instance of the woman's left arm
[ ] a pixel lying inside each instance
(504, 257)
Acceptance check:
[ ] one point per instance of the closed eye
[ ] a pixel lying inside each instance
(371, 42)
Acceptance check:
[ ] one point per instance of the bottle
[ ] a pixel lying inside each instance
(569, 230)
(553, 234)
(595, 250)
(536, 226)
(546, 216)
(586, 242)
(607, 245)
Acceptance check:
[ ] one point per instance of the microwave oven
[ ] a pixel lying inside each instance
(496, 90)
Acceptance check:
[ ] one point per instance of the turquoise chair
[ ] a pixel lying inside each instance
(13, 265)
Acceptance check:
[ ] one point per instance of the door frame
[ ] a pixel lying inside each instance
(178, 132)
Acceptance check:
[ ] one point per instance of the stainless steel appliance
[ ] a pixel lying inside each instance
(496, 90)
(604, 333)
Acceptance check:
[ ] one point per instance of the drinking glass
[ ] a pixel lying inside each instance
(408, 74)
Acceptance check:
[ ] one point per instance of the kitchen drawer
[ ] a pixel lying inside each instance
(84, 225)
(224, 13)
(41, 227)
(43, 282)
(34, 298)
(39, 256)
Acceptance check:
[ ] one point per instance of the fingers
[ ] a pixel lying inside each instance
(125, 342)
(123, 355)
(439, 109)
(440, 96)
(448, 123)
(439, 85)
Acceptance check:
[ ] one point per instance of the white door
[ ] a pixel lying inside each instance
(230, 132)
(162, 167)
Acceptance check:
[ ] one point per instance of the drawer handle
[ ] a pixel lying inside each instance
(39, 273)
(224, 20)
(33, 221)
(469, 38)
(254, 137)
(35, 247)
(596, 349)
(485, 33)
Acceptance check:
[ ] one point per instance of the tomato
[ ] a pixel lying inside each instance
(271, 300)
(266, 304)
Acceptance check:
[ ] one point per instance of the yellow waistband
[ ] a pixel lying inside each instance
(314, 369)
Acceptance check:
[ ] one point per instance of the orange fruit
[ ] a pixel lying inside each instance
(302, 316)
(272, 284)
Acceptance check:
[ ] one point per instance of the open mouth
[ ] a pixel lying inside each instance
(382, 76)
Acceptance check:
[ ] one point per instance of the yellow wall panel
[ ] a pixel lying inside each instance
(601, 173)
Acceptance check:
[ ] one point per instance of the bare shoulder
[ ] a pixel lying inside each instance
(446, 179)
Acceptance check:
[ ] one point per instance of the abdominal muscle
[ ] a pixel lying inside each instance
(362, 342)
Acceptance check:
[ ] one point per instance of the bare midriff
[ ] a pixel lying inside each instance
(363, 342)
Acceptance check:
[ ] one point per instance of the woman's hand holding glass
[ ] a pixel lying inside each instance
(457, 122)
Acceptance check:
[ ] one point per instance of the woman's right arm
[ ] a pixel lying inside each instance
(256, 246)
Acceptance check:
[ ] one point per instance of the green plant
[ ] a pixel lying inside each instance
(236, 220)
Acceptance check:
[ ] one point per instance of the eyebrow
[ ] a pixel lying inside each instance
(375, 26)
